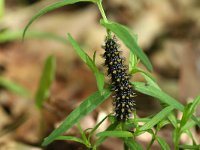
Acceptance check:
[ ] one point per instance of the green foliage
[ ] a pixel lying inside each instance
(162, 143)
(160, 95)
(100, 140)
(157, 118)
(115, 134)
(133, 61)
(91, 63)
(124, 34)
(70, 138)
(14, 87)
(131, 128)
(51, 8)
(7, 36)
(189, 110)
(86, 107)
(46, 80)
(2, 5)
(193, 147)
(132, 144)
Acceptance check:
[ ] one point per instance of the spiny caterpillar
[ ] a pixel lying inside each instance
(123, 92)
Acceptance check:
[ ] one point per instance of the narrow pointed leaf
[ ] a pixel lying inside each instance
(70, 138)
(115, 134)
(46, 80)
(91, 64)
(132, 144)
(192, 147)
(14, 87)
(190, 134)
(189, 110)
(97, 126)
(7, 36)
(161, 96)
(163, 123)
(51, 8)
(76, 115)
(133, 61)
(148, 77)
(100, 140)
(2, 6)
(173, 119)
(154, 92)
(124, 34)
(189, 124)
(157, 118)
(162, 143)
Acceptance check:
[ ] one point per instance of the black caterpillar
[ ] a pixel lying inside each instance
(123, 92)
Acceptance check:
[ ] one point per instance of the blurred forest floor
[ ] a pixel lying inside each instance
(168, 31)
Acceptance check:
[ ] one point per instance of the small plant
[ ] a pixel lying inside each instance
(124, 123)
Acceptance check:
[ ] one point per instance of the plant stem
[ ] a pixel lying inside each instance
(99, 4)
(151, 143)
(125, 147)
(102, 11)
(153, 139)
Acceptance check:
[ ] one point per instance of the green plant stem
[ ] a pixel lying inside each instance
(151, 143)
(152, 140)
(123, 128)
(177, 139)
(102, 11)
(125, 147)
(99, 4)
(135, 120)
(86, 142)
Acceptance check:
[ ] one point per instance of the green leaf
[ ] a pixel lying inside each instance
(94, 57)
(163, 123)
(91, 64)
(141, 119)
(115, 134)
(172, 119)
(124, 34)
(51, 8)
(133, 122)
(83, 135)
(138, 132)
(70, 138)
(100, 140)
(45, 81)
(7, 36)
(150, 80)
(161, 96)
(14, 87)
(85, 107)
(96, 127)
(189, 133)
(189, 124)
(2, 6)
(157, 118)
(189, 110)
(162, 143)
(100, 80)
(133, 61)
(82, 54)
(132, 144)
(193, 147)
